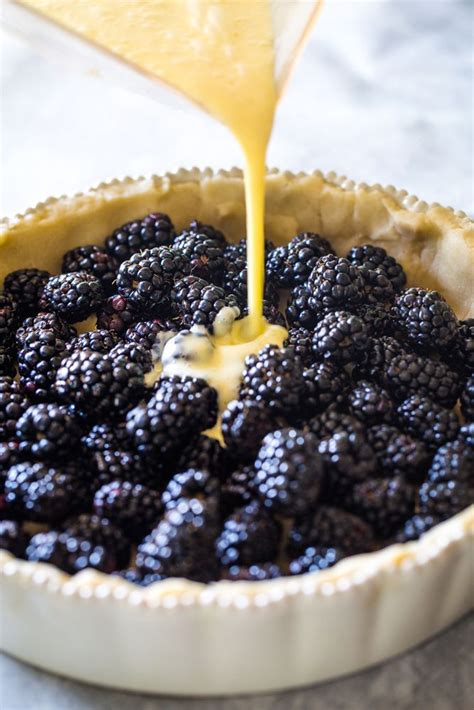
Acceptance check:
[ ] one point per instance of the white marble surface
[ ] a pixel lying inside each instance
(382, 94)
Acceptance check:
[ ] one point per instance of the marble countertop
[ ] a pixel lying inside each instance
(382, 94)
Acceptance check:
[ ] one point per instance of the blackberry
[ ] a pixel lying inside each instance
(271, 313)
(116, 314)
(209, 231)
(145, 279)
(384, 502)
(410, 373)
(466, 434)
(73, 296)
(13, 404)
(377, 258)
(47, 430)
(133, 508)
(332, 420)
(453, 462)
(415, 527)
(45, 321)
(331, 527)
(292, 265)
(199, 302)
(95, 261)
(182, 545)
(38, 362)
(348, 459)
(131, 574)
(7, 361)
(398, 453)
(132, 353)
(467, 399)
(248, 536)
(205, 254)
(9, 456)
(426, 318)
(151, 334)
(377, 317)
(191, 484)
(289, 473)
(115, 464)
(234, 283)
(299, 312)
(370, 403)
(8, 318)
(244, 423)
(377, 288)
(45, 493)
(154, 230)
(380, 353)
(460, 353)
(326, 384)
(445, 498)
(253, 573)
(341, 337)
(334, 283)
(179, 410)
(87, 541)
(238, 490)
(274, 377)
(428, 421)
(204, 454)
(12, 538)
(26, 286)
(100, 341)
(239, 250)
(301, 341)
(98, 384)
(107, 437)
(315, 559)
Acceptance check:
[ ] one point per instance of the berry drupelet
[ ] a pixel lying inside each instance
(248, 536)
(426, 318)
(340, 337)
(335, 283)
(73, 296)
(329, 526)
(428, 421)
(199, 302)
(47, 430)
(26, 287)
(133, 508)
(377, 258)
(95, 261)
(39, 359)
(154, 230)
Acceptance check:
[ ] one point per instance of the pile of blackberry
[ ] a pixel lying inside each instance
(343, 441)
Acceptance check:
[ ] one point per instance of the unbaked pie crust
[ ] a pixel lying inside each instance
(180, 637)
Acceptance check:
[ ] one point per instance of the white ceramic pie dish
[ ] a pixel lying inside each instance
(182, 638)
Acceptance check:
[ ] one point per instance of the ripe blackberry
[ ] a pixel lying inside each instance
(252, 573)
(199, 302)
(331, 527)
(208, 231)
(182, 545)
(204, 454)
(332, 420)
(132, 353)
(179, 410)
(274, 377)
(13, 404)
(460, 353)
(12, 538)
(45, 321)
(466, 434)
(445, 498)
(415, 527)
(410, 373)
(380, 353)
(9, 456)
(426, 318)
(145, 279)
(239, 250)
(235, 279)
(467, 399)
(370, 403)
(299, 312)
(45, 493)
(348, 459)
(335, 283)
(116, 314)
(152, 334)
(341, 337)
(107, 437)
(291, 266)
(315, 559)
(116, 464)
(26, 287)
(301, 341)
(377, 258)
(47, 430)
(98, 384)
(133, 508)
(384, 502)
(238, 489)
(95, 261)
(453, 462)
(289, 472)
(398, 453)
(154, 230)
(428, 421)
(100, 341)
(87, 541)
(326, 384)
(271, 313)
(377, 317)
(8, 317)
(38, 362)
(248, 536)
(377, 289)
(205, 254)
(73, 296)
(7, 361)
(191, 484)
(244, 423)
